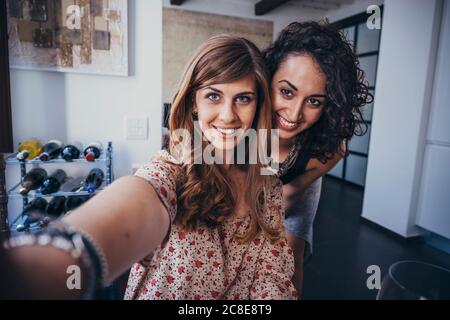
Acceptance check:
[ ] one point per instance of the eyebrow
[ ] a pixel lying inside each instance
(318, 95)
(290, 84)
(238, 94)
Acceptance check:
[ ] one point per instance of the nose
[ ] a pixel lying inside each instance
(227, 113)
(295, 112)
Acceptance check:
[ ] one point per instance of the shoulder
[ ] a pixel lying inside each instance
(161, 166)
(165, 156)
(165, 174)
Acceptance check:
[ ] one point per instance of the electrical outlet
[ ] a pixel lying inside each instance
(136, 128)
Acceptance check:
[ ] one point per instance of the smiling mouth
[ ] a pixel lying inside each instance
(227, 132)
(286, 124)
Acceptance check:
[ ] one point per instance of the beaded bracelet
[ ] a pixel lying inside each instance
(94, 250)
(79, 245)
(69, 243)
(97, 255)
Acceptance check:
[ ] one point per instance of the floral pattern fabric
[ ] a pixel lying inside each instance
(209, 263)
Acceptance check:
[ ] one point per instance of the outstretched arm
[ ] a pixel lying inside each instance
(127, 220)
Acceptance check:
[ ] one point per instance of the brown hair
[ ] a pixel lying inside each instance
(207, 195)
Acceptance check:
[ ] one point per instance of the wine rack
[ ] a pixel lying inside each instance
(104, 160)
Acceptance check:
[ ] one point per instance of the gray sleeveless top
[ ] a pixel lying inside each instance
(300, 217)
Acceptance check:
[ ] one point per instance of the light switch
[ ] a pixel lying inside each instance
(136, 128)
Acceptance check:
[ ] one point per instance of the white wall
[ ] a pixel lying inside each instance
(434, 202)
(84, 107)
(402, 102)
(280, 16)
(111, 99)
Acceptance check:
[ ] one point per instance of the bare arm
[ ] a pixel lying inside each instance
(127, 220)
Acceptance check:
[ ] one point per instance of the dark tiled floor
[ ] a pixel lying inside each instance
(346, 244)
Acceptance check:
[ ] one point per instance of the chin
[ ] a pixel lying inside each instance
(284, 135)
(224, 146)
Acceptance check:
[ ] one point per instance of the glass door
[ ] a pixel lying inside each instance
(366, 44)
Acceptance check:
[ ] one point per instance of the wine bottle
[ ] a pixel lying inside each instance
(71, 151)
(93, 151)
(56, 207)
(33, 216)
(72, 184)
(38, 204)
(33, 212)
(52, 149)
(29, 149)
(33, 180)
(54, 182)
(94, 180)
(74, 202)
(45, 221)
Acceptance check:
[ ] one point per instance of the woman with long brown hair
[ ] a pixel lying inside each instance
(227, 237)
(196, 230)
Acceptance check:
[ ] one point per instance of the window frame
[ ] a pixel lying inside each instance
(355, 21)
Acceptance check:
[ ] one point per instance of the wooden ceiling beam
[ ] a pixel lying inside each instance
(264, 6)
(176, 2)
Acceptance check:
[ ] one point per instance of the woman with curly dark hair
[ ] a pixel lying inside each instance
(317, 91)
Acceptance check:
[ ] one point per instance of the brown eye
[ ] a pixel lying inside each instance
(286, 92)
(315, 102)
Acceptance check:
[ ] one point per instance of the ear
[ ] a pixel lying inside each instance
(195, 113)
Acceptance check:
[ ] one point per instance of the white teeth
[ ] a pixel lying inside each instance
(286, 123)
(226, 131)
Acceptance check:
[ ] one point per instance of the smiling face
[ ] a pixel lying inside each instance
(226, 111)
(298, 95)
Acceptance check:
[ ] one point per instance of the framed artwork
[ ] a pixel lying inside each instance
(84, 36)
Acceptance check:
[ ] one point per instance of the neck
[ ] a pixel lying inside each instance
(228, 158)
(287, 143)
(284, 145)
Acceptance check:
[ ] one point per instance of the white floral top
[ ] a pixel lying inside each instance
(209, 263)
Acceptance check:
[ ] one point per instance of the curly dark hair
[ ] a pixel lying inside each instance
(346, 89)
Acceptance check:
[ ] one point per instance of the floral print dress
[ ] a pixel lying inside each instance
(209, 263)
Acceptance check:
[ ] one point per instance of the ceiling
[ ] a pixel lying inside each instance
(319, 5)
